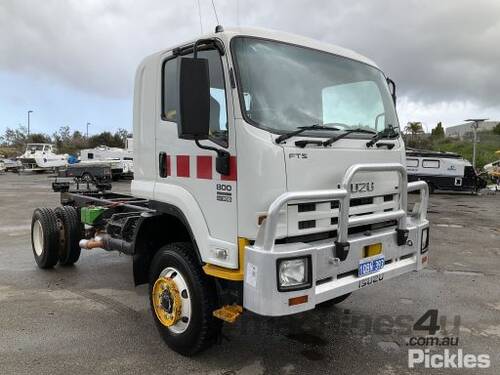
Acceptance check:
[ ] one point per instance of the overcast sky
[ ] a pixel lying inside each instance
(73, 61)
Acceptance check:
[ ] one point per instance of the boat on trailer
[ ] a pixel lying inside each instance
(40, 157)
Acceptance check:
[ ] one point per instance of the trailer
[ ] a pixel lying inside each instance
(251, 193)
(442, 171)
(120, 160)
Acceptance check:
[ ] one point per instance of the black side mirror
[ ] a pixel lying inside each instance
(392, 89)
(194, 99)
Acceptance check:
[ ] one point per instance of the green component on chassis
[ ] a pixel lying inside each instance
(89, 215)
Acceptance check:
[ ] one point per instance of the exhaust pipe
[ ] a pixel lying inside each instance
(106, 242)
(93, 243)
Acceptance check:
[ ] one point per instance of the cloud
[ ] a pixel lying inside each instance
(443, 55)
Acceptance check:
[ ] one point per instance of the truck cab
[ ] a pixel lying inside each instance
(298, 198)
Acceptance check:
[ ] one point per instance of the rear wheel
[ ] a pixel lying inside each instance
(45, 237)
(70, 235)
(182, 300)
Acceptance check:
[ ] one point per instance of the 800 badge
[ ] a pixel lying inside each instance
(224, 193)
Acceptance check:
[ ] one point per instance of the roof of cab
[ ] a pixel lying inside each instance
(278, 36)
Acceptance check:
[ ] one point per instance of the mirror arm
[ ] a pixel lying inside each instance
(223, 157)
(392, 86)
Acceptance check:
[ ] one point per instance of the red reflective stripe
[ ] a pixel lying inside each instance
(204, 167)
(232, 171)
(167, 166)
(182, 165)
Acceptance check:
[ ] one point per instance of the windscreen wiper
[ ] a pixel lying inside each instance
(302, 129)
(387, 133)
(346, 133)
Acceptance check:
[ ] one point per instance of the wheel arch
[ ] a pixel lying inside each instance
(168, 226)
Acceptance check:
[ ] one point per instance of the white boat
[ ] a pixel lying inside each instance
(40, 157)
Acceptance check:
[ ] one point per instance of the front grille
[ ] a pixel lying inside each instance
(306, 207)
(322, 216)
(306, 224)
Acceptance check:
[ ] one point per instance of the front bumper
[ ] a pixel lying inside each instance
(330, 276)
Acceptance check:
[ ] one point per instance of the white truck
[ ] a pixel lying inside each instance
(260, 184)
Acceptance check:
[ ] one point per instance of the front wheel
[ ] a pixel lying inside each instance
(182, 299)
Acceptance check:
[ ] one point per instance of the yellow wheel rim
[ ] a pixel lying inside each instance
(166, 301)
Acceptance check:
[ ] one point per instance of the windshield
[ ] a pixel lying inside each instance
(34, 147)
(285, 86)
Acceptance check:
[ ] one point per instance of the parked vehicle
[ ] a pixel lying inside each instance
(442, 171)
(493, 168)
(238, 200)
(120, 160)
(84, 176)
(40, 157)
(11, 165)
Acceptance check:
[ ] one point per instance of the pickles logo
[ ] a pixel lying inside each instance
(447, 359)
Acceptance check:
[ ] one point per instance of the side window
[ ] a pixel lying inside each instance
(427, 163)
(90, 155)
(218, 108)
(170, 90)
(412, 163)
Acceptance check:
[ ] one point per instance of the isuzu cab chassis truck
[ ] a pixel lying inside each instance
(269, 176)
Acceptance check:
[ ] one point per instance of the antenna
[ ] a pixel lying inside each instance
(215, 12)
(238, 13)
(199, 14)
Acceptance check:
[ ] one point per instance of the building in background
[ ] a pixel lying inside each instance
(459, 131)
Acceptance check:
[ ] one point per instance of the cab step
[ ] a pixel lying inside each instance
(228, 313)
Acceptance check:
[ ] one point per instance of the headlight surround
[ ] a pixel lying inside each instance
(424, 240)
(294, 273)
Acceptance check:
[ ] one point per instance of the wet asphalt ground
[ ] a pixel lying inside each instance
(90, 319)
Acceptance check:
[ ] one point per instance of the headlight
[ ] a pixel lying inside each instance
(294, 273)
(424, 243)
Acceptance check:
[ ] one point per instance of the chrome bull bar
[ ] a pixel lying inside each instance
(267, 232)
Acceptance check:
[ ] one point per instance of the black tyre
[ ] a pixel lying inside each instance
(182, 299)
(70, 235)
(45, 237)
(334, 301)
(87, 178)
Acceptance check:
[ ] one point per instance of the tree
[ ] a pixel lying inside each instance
(438, 131)
(414, 128)
(38, 138)
(15, 137)
(496, 129)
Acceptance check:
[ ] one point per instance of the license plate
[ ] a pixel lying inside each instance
(371, 265)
